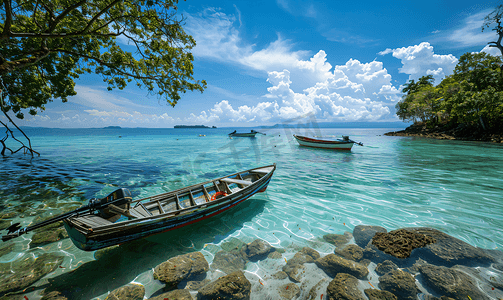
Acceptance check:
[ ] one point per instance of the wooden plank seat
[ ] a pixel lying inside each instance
(238, 181)
(260, 171)
(92, 221)
(139, 211)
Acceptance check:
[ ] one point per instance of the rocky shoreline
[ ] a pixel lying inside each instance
(449, 132)
(369, 263)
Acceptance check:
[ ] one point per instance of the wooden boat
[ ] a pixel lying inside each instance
(117, 218)
(340, 144)
(252, 133)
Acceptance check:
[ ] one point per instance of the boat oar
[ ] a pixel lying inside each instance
(119, 197)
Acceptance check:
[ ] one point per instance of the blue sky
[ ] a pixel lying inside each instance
(267, 62)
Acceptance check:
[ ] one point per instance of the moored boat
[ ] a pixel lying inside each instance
(340, 144)
(117, 218)
(252, 133)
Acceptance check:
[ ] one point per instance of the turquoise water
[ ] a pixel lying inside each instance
(394, 182)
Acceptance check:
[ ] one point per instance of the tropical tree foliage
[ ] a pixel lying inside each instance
(46, 44)
(473, 95)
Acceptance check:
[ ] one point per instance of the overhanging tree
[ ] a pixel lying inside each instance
(494, 19)
(46, 44)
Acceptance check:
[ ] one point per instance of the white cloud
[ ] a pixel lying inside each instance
(218, 39)
(420, 60)
(470, 33)
(352, 92)
(491, 50)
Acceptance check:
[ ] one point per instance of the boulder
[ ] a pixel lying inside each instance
(228, 262)
(333, 264)
(451, 282)
(195, 285)
(450, 251)
(25, 271)
(306, 255)
(175, 294)
(127, 292)
(317, 289)
(295, 266)
(364, 233)
(400, 243)
(256, 250)
(385, 267)
(338, 239)
(294, 271)
(279, 275)
(344, 287)
(234, 286)
(179, 268)
(54, 295)
(399, 283)
(289, 291)
(374, 294)
(351, 252)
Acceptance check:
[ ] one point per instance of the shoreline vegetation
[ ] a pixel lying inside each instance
(467, 105)
(449, 132)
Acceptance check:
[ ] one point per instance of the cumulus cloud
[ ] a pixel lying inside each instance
(352, 92)
(420, 60)
(491, 50)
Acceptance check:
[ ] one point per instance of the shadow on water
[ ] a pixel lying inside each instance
(119, 265)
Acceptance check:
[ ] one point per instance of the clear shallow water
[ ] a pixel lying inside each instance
(394, 182)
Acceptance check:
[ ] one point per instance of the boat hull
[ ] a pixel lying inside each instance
(160, 223)
(242, 134)
(335, 145)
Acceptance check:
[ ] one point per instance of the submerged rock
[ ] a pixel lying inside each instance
(228, 262)
(256, 250)
(399, 283)
(295, 266)
(54, 295)
(400, 243)
(48, 236)
(233, 244)
(317, 289)
(333, 264)
(364, 233)
(451, 282)
(6, 249)
(232, 286)
(175, 294)
(449, 251)
(338, 239)
(344, 287)
(179, 268)
(374, 294)
(127, 292)
(279, 275)
(385, 267)
(351, 252)
(289, 291)
(25, 271)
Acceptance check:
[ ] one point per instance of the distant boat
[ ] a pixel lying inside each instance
(340, 144)
(252, 133)
(118, 218)
(190, 126)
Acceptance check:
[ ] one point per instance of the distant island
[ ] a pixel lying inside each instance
(112, 127)
(193, 126)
